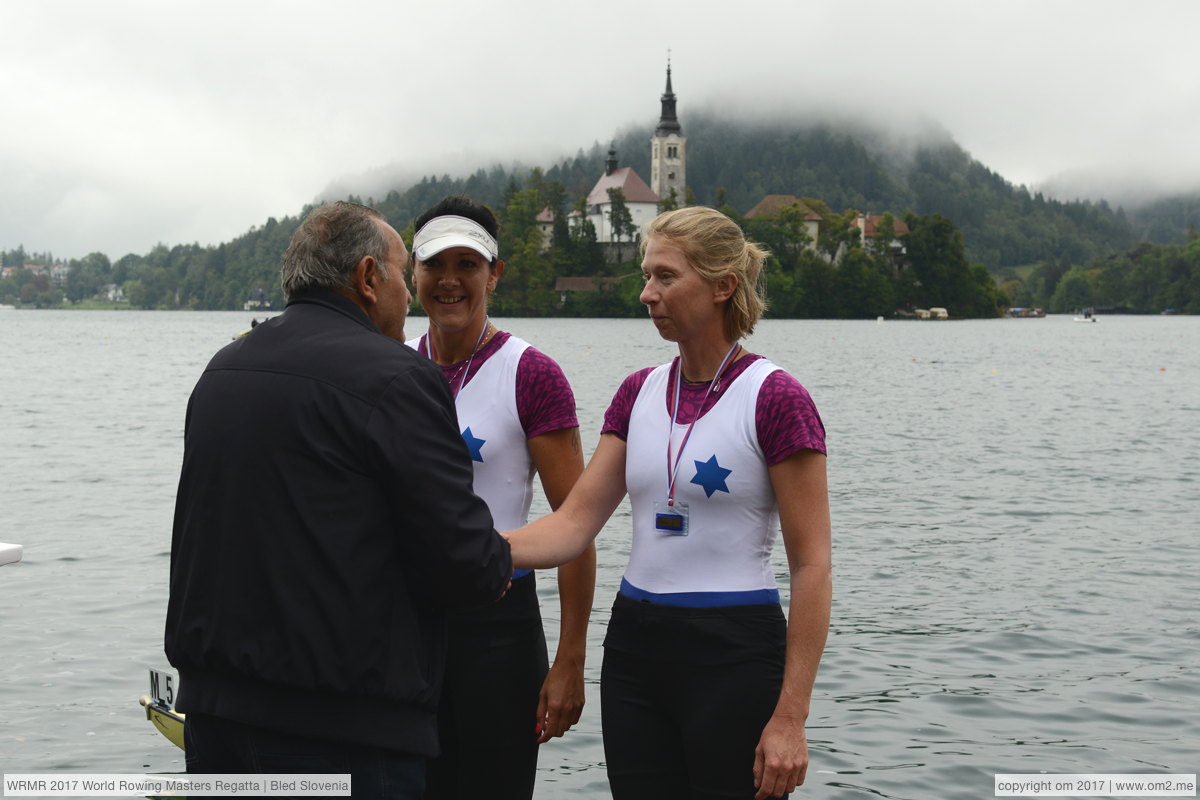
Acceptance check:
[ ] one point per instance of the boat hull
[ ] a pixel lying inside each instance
(168, 722)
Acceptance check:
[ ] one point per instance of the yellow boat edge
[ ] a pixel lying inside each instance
(168, 722)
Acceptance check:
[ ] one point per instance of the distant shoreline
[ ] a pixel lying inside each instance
(418, 313)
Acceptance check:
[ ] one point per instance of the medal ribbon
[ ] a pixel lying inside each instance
(673, 469)
(462, 375)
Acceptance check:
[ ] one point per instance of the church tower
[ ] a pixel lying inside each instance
(668, 150)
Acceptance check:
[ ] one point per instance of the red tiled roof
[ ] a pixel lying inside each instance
(546, 216)
(772, 204)
(625, 179)
(870, 229)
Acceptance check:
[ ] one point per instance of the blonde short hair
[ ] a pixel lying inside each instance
(715, 246)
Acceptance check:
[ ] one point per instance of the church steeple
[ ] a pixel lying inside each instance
(610, 163)
(668, 150)
(668, 122)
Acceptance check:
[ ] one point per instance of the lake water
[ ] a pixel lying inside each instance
(1015, 507)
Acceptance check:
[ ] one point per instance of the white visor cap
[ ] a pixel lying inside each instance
(442, 233)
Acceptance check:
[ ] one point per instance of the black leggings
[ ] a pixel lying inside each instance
(495, 665)
(224, 746)
(685, 695)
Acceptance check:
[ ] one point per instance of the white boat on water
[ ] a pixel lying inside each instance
(1085, 316)
(10, 553)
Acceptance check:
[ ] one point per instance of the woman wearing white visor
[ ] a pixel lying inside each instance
(516, 412)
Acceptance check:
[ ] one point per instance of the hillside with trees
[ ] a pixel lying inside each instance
(975, 242)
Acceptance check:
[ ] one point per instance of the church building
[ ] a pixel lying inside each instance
(668, 162)
(668, 150)
(641, 201)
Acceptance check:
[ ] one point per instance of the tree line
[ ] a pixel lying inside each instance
(1146, 279)
(966, 224)
(838, 275)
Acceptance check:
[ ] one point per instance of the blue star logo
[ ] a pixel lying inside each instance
(474, 444)
(711, 476)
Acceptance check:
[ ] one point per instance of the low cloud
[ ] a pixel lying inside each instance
(141, 121)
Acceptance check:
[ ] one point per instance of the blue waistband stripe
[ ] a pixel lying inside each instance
(752, 597)
(520, 573)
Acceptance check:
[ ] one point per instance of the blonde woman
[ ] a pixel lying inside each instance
(705, 686)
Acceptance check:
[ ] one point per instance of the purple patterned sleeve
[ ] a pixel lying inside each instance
(616, 418)
(786, 419)
(545, 401)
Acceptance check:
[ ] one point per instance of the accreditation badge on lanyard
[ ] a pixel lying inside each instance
(671, 515)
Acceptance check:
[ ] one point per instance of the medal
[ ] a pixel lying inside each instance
(462, 372)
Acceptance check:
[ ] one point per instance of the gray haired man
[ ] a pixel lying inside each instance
(324, 526)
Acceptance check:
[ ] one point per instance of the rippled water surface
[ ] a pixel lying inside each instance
(1015, 512)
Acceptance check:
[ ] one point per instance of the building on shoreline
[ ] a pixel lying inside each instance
(668, 165)
(640, 200)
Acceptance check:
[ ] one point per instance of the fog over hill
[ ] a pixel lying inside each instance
(1129, 190)
(136, 121)
(894, 142)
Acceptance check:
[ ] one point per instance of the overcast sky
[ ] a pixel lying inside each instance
(132, 122)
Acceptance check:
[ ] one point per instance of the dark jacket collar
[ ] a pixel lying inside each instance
(334, 301)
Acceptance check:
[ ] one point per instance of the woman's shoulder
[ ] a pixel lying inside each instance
(780, 381)
(545, 401)
(534, 361)
(632, 386)
(635, 380)
(787, 418)
(616, 417)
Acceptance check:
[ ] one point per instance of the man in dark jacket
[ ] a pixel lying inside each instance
(324, 526)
